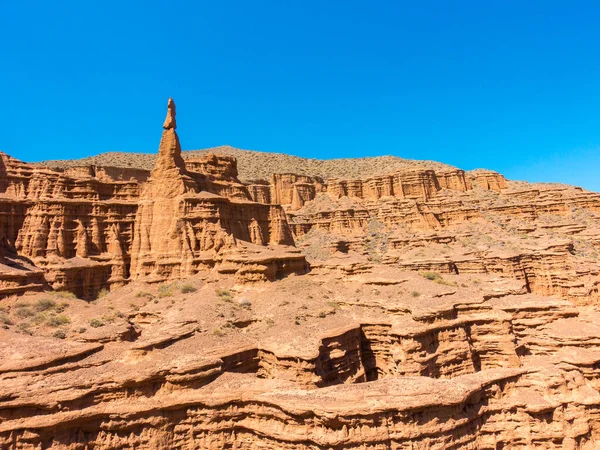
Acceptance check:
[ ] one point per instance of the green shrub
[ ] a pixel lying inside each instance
(24, 312)
(60, 308)
(224, 294)
(4, 319)
(166, 290)
(45, 304)
(333, 304)
(59, 334)
(187, 288)
(437, 278)
(96, 323)
(102, 293)
(39, 318)
(65, 294)
(57, 321)
(415, 294)
(433, 276)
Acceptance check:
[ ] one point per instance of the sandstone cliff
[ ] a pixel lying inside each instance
(91, 228)
(442, 309)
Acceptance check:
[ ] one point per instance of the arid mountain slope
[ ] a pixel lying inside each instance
(181, 306)
(255, 165)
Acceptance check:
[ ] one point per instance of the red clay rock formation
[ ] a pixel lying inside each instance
(181, 228)
(443, 309)
(90, 228)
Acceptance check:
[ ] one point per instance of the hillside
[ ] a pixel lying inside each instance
(255, 165)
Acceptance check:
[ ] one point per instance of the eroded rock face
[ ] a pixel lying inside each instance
(443, 309)
(91, 228)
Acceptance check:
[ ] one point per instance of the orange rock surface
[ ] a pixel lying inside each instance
(186, 308)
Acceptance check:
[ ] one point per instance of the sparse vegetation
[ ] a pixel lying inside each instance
(39, 318)
(218, 332)
(45, 304)
(60, 308)
(102, 293)
(57, 321)
(59, 334)
(433, 276)
(25, 326)
(65, 295)
(415, 294)
(166, 290)
(377, 241)
(4, 319)
(187, 288)
(437, 278)
(24, 311)
(224, 295)
(96, 323)
(260, 165)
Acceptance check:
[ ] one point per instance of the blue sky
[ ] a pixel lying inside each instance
(512, 86)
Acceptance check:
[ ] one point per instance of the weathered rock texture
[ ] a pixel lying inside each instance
(443, 309)
(90, 228)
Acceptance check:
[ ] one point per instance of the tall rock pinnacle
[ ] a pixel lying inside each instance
(169, 151)
(170, 122)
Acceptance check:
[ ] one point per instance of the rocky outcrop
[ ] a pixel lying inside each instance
(90, 228)
(443, 309)
(500, 369)
(199, 226)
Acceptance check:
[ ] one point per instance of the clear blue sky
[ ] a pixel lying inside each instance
(512, 86)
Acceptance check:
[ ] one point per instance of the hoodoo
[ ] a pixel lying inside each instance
(184, 224)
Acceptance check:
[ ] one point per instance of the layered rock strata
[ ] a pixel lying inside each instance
(90, 228)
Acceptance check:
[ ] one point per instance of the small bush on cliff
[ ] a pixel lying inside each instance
(437, 278)
(433, 276)
(96, 323)
(59, 334)
(415, 294)
(102, 293)
(224, 294)
(45, 304)
(65, 294)
(166, 290)
(4, 319)
(57, 321)
(333, 304)
(39, 318)
(187, 288)
(60, 308)
(24, 311)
